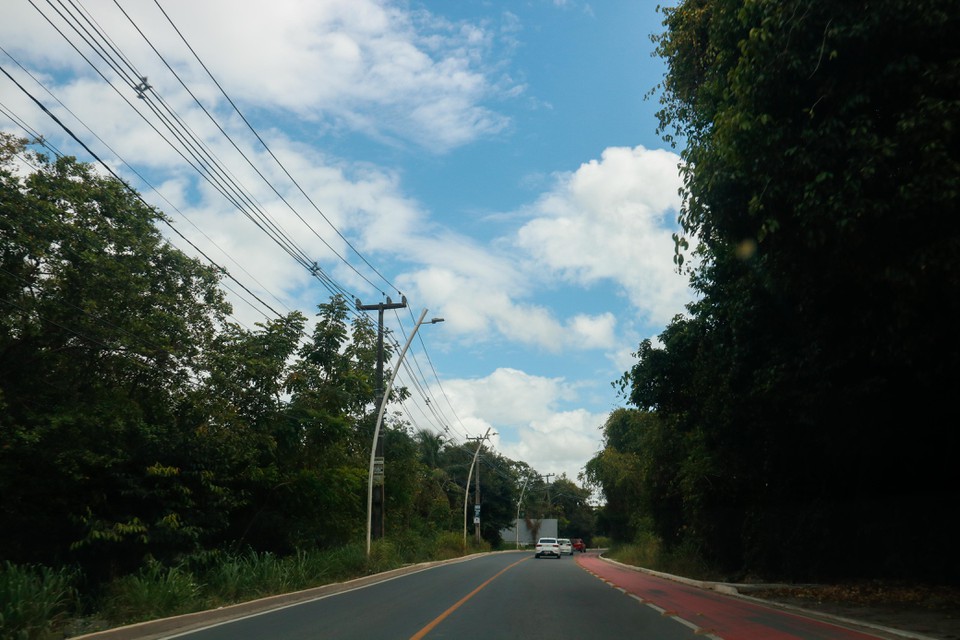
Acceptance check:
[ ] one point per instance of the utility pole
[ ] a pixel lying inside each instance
(466, 491)
(476, 502)
(379, 496)
(376, 427)
(519, 502)
(549, 504)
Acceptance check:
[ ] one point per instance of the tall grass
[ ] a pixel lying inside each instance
(648, 552)
(243, 577)
(33, 599)
(600, 542)
(349, 561)
(253, 575)
(447, 545)
(155, 592)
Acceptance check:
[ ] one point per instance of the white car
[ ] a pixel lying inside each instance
(566, 546)
(547, 547)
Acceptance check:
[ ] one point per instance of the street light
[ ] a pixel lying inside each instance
(376, 430)
(519, 502)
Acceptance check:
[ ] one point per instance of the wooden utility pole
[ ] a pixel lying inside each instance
(379, 479)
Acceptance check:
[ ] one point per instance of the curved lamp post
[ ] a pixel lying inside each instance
(376, 430)
(519, 502)
(466, 491)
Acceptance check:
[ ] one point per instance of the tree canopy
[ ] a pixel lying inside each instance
(139, 422)
(792, 420)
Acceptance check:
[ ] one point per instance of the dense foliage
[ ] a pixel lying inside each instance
(142, 428)
(796, 422)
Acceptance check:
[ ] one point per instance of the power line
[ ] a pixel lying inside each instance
(30, 131)
(207, 164)
(76, 138)
(272, 155)
(187, 144)
(203, 161)
(233, 143)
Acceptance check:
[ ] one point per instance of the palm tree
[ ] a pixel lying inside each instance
(430, 444)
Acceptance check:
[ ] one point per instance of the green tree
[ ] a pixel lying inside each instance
(571, 506)
(804, 391)
(434, 506)
(239, 411)
(311, 486)
(101, 329)
(429, 445)
(499, 491)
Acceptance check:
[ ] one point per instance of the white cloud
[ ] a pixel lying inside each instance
(529, 415)
(359, 64)
(612, 220)
(595, 332)
(364, 65)
(561, 443)
(372, 68)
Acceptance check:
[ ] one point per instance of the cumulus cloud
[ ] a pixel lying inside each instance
(531, 417)
(360, 65)
(595, 332)
(609, 221)
(387, 73)
(612, 220)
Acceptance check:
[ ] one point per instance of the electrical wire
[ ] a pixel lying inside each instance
(109, 169)
(203, 162)
(272, 155)
(187, 143)
(234, 144)
(211, 168)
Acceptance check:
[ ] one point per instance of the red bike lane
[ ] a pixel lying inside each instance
(713, 613)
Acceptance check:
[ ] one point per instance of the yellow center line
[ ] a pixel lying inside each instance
(427, 629)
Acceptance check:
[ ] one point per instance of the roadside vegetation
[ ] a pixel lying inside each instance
(156, 457)
(649, 553)
(789, 425)
(39, 603)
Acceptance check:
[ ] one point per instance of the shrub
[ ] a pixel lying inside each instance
(647, 551)
(383, 556)
(33, 599)
(348, 561)
(412, 546)
(447, 545)
(155, 592)
(601, 542)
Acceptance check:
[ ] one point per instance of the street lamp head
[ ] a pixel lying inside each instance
(436, 320)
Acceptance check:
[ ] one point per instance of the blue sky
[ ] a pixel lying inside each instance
(496, 163)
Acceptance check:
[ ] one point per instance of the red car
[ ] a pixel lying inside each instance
(578, 544)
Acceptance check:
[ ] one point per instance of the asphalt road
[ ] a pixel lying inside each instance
(502, 595)
(505, 595)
